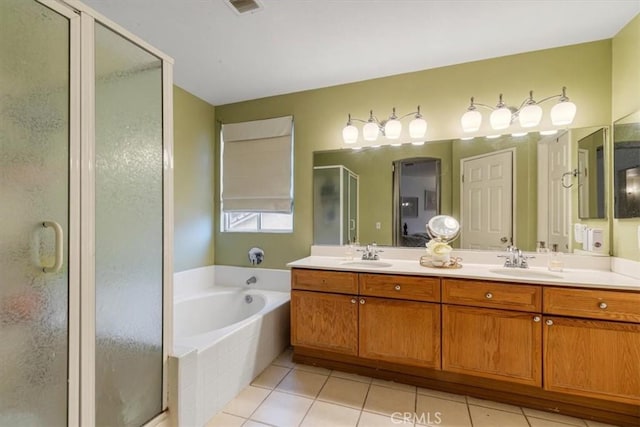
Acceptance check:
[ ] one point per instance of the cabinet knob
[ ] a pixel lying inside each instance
(362, 301)
(488, 295)
(536, 318)
(397, 288)
(353, 300)
(603, 305)
(549, 322)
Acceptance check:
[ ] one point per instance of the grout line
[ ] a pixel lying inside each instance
(466, 399)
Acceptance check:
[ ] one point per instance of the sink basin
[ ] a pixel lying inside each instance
(525, 273)
(368, 264)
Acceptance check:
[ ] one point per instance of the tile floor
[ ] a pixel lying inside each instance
(288, 394)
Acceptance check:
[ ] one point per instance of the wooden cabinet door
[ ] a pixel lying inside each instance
(324, 321)
(406, 332)
(499, 344)
(592, 358)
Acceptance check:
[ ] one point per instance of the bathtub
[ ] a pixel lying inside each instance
(224, 335)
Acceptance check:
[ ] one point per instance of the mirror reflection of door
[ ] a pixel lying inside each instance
(583, 183)
(554, 198)
(486, 204)
(591, 200)
(416, 199)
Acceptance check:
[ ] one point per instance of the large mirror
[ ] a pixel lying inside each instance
(626, 160)
(506, 190)
(591, 177)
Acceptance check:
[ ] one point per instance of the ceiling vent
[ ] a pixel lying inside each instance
(242, 7)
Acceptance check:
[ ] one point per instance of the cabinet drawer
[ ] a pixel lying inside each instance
(596, 304)
(400, 287)
(492, 294)
(324, 281)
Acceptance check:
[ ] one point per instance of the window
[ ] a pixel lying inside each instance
(257, 176)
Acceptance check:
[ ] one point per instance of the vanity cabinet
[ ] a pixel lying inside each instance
(570, 350)
(324, 310)
(492, 330)
(400, 319)
(390, 319)
(595, 355)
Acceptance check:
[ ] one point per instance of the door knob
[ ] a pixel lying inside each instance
(362, 301)
(504, 240)
(549, 322)
(397, 288)
(536, 318)
(603, 305)
(488, 295)
(353, 300)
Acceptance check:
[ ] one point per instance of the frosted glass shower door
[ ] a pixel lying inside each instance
(128, 231)
(35, 180)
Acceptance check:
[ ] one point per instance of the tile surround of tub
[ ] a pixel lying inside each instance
(349, 400)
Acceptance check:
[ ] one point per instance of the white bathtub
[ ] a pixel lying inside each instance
(221, 341)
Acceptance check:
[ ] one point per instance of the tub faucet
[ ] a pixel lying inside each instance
(251, 280)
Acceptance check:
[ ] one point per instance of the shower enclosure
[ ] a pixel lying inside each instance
(85, 214)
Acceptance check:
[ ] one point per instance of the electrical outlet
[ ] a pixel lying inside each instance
(378, 226)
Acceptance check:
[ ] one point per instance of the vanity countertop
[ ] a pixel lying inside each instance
(571, 277)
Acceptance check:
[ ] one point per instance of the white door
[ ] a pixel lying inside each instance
(559, 197)
(487, 201)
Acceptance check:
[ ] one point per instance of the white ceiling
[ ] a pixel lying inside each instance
(294, 45)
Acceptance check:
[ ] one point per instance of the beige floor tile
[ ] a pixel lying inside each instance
(539, 422)
(303, 383)
(553, 417)
(284, 359)
(247, 401)
(350, 376)
(487, 417)
(394, 385)
(344, 392)
(270, 377)
(314, 369)
(387, 401)
(323, 414)
(282, 409)
(597, 424)
(368, 419)
(441, 412)
(225, 420)
(442, 395)
(251, 423)
(494, 405)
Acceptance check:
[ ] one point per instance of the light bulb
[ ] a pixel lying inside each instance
(563, 113)
(370, 131)
(392, 129)
(471, 121)
(350, 134)
(530, 115)
(417, 127)
(500, 118)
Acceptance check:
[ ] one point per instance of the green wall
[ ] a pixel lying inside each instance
(443, 94)
(626, 100)
(194, 167)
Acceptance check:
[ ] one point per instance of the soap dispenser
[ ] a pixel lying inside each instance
(556, 261)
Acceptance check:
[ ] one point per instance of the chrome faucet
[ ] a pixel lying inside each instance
(251, 280)
(370, 252)
(515, 258)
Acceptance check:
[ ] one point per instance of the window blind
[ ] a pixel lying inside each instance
(257, 165)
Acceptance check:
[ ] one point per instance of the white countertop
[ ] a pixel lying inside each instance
(572, 277)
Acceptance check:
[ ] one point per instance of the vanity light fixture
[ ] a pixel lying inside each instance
(391, 127)
(529, 114)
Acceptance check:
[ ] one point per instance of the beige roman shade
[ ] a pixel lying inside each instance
(257, 165)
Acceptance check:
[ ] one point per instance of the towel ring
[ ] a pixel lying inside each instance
(573, 173)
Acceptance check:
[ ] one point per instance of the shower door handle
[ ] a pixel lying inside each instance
(59, 236)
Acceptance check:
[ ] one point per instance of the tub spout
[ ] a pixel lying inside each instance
(251, 280)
